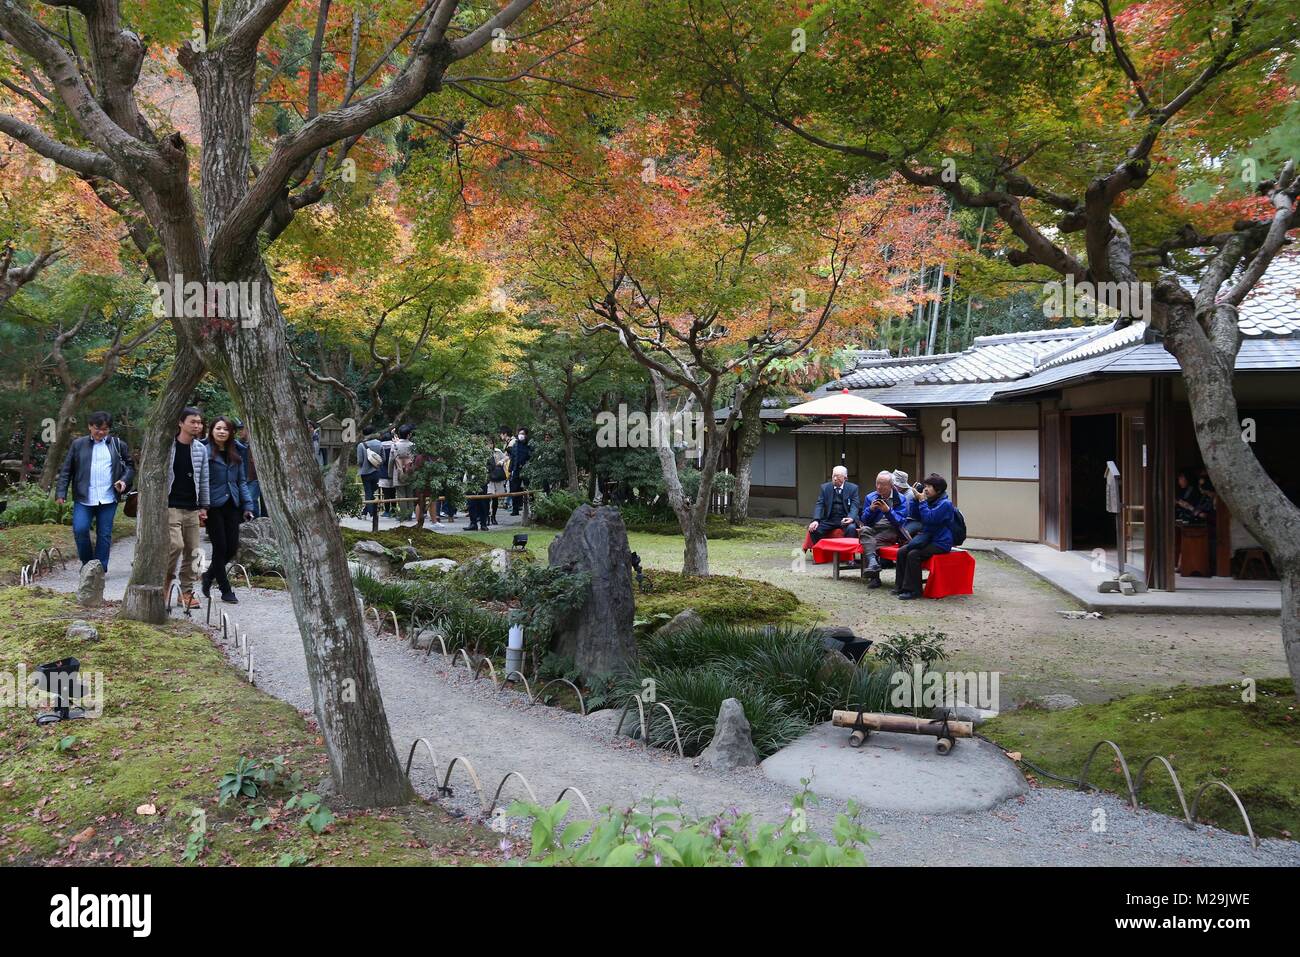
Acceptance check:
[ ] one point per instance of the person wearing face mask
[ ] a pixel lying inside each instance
(519, 452)
(935, 511)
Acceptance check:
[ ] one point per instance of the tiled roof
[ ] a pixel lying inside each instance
(1020, 362)
(1272, 308)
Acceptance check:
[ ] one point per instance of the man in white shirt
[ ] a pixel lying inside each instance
(100, 470)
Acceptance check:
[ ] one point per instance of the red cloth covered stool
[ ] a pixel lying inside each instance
(833, 548)
(808, 544)
(952, 573)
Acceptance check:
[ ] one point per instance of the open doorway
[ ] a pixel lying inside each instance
(1093, 443)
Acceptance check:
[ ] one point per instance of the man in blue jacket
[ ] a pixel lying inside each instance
(837, 506)
(934, 510)
(883, 516)
(100, 470)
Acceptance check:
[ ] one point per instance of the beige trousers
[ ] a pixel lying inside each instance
(183, 526)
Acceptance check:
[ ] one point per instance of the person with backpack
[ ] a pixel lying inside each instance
(401, 467)
(99, 470)
(884, 515)
(370, 456)
(498, 472)
(938, 517)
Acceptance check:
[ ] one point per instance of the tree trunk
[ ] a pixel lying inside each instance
(144, 599)
(1239, 479)
(570, 454)
(751, 431)
(345, 689)
(64, 426)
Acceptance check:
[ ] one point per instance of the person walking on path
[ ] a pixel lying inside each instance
(370, 456)
(100, 470)
(520, 452)
(244, 445)
(498, 474)
(401, 466)
(187, 502)
(230, 503)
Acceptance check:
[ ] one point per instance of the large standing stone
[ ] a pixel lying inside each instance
(732, 745)
(599, 636)
(90, 589)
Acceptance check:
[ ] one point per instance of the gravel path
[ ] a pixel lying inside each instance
(553, 749)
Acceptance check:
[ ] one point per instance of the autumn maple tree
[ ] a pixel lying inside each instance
(274, 100)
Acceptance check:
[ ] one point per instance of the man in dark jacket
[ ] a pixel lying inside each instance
(883, 516)
(520, 452)
(370, 459)
(837, 506)
(100, 470)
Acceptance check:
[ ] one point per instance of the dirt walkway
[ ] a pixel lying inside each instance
(553, 749)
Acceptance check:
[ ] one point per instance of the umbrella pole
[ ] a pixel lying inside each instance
(844, 441)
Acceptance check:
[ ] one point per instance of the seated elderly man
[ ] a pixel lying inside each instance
(884, 516)
(837, 506)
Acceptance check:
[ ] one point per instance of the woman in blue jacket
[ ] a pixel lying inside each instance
(934, 510)
(229, 500)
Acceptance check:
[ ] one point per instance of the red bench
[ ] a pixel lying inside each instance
(951, 573)
(835, 547)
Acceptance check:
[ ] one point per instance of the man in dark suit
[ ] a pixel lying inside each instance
(837, 507)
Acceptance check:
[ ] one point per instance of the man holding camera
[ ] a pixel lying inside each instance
(884, 515)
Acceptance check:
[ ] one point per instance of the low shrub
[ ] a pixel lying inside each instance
(553, 509)
(464, 623)
(31, 505)
(665, 835)
(429, 544)
(547, 595)
(785, 678)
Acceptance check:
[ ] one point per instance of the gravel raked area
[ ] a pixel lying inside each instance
(498, 732)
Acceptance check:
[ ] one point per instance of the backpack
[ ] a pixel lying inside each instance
(958, 527)
(403, 466)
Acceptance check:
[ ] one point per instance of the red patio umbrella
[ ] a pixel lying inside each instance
(844, 405)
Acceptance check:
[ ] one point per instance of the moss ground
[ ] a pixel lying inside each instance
(176, 717)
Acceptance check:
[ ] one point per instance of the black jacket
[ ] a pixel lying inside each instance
(76, 467)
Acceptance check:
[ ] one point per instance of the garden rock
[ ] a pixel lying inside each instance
(427, 638)
(90, 588)
(598, 637)
(1058, 702)
(965, 712)
(258, 530)
(683, 621)
(376, 559)
(732, 745)
(82, 630)
(1109, 585)
(431, 564)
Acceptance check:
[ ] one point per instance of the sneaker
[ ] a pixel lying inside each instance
(229, 598)
(905, 596)
(188, 600)
(873, 582)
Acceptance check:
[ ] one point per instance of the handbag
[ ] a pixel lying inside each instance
(132, 504)
(374, 458)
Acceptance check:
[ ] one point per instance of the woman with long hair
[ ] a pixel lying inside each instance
(229, 502)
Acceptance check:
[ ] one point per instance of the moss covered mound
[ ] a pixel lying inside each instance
(1205, 733)
(720, 598)
(176, 717)
(429, 544)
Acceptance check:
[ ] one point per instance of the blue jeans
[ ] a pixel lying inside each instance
(255, 493)
(102, 516)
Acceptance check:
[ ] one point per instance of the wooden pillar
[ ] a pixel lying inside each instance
(1161, 557)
